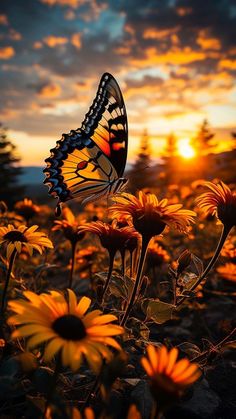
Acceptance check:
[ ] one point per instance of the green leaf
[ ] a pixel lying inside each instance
(157, 310)
(119, 286)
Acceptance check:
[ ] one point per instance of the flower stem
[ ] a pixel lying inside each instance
(53, 383)
(141, 263)
(72, 264)
(111, 262)
(11, 263)
(223, 237)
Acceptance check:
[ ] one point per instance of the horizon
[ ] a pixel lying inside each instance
(175, 65)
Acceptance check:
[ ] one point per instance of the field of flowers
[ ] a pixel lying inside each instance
(121, 309)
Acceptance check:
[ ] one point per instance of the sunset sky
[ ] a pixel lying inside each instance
(174, 60)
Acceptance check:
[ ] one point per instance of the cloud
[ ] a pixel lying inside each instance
(4, 20)
(207, 42)
(50, 91)
(67, 3)
(229, 64)
(52, 41)
(6, 53)
(76, 40)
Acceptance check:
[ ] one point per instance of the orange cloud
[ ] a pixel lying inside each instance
(6, 53)
(230, 64)
(184, 11)
(76, 40)
(14, 35)
(52, 41)
(154, 33)
(37, 45)
(70, 15)
(176, 56)
(49, 90)
(207, 42)
(71, 3)
(3, 20)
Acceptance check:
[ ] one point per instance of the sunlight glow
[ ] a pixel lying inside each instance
(185, 149)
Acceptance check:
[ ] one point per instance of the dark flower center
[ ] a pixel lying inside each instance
(69, 327)
(15, 236)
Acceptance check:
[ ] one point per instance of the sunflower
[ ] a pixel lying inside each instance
(69, 226)
(23, 238)
(156, 255)
(112, 238)
(219, 201)
(150, 216)
(169, 377)
(27, 209)
(65, 327)
(71, 413)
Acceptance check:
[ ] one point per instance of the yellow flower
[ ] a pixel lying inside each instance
(150, 216)
(156, 255)
(133, 412)
(219, 201)
(73, 413)
(228, 271)
(168, 376)
(26, 209)
(23, 238)
(64, 326)
(112, 238)
(69, 226)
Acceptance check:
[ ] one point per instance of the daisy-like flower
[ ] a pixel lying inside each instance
(114, 240)
(156, 255)
(69, 226)
(63, 326)
(150, 216)
(219, 201)
(23, 238)
(169, 377)
(26, 209)
(72, 413)
(228, 271)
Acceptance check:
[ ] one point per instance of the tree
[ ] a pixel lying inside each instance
(10, 191)
(169, 158)
(202, 142)
(138, 175)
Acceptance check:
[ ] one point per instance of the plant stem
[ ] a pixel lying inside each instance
(122, 262)
(11, 263)
(223, 237)
(111, 262)
(53, 384)
(141, 263)
(131, 265)
(72, 264)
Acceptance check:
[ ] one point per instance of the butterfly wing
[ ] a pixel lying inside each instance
(106, 122)
(86, 162)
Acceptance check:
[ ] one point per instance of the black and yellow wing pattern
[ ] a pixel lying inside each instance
(89, 162)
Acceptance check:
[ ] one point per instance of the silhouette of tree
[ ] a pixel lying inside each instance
(202, 142)
(169, 158)
(139, 174)
(10, 191)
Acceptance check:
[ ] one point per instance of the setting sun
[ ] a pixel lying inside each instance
(185, 149)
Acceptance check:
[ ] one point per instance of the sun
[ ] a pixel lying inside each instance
(185, 149)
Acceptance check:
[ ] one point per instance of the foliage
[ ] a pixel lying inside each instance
(171, 309)
(10, 170)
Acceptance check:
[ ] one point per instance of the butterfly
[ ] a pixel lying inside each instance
(89, 162)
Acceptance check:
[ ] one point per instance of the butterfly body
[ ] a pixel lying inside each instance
(89, 162)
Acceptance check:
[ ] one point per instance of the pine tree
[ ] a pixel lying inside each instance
(139, 174)
(169, 158)
(10, 191)
(202, 142)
